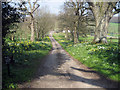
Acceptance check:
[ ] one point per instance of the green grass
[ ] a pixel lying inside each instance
(100, 57)
(27, 57)
(113, 29)
(90, 38)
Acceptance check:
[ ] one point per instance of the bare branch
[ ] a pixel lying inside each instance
(73, 3)
(34, 4)
(30, 5)
(36, 8)
(26, 8)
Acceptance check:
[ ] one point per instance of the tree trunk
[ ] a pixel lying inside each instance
(42, 35)
(78, 35)
(103, 12)
(12, 59)
(75, 34)
(12, 37)
(32, 29)
(37, 36)
(72, 36)
(101, 30)
(66, 34)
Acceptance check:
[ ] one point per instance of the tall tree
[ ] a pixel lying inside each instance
(45, 21)
(76, 16)
(76, 8)
(103, 12)
(10, 15)
(66, 21)
(31, 7)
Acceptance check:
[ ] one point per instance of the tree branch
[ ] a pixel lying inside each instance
(30, 5)
(36, 8)
(34, 4)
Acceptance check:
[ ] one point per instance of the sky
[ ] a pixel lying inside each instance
(53, 5)
(56, 5)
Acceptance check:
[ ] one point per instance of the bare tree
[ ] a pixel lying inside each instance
(66, 21)
(45, 22)
(76, 16)
(31, 7)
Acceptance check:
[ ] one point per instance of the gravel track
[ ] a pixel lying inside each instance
(59, 70)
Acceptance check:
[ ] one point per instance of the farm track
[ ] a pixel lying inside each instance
(59, 70)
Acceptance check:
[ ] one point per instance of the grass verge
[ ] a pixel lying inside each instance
(27, 57)
(102, 58)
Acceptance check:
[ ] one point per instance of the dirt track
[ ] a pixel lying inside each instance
(59, 70)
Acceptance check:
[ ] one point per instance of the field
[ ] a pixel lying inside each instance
(113, 29)
(102, 58)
